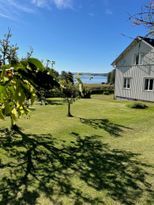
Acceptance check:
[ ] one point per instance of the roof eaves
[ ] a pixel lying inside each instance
(146, 42)
(125, 50)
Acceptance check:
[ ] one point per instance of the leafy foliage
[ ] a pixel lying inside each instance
(8, 52)
(37, 75)
(18, 86)
(69, 89)
(15, 92)
(111, 77)
(100, 89)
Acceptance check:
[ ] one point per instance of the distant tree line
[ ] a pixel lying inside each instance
(111, 77)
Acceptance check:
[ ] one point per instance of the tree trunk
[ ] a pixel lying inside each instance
(69, 109)
(14, 127)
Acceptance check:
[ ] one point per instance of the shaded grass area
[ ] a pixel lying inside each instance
(103, 155)
(110, 127)
(36, 166)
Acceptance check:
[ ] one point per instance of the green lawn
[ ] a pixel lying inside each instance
(102, 155)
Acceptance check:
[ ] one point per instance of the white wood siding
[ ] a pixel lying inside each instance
(137, 73)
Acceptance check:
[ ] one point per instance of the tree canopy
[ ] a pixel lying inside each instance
(20, 81)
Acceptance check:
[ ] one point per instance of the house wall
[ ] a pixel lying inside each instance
(137, 73)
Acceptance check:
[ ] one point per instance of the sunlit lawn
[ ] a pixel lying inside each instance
(102, 155)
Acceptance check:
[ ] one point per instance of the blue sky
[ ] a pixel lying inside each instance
(80, 35)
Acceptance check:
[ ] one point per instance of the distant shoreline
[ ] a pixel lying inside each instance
(91, 74)
(92, 78)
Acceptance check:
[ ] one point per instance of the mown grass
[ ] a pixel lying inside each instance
(102, 155)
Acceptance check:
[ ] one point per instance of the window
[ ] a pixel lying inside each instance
(141, 58)
(149, 84)
(138, 59)
(127, 83)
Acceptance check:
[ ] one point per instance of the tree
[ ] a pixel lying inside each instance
(145, 17)
(19, 85)
(8, 51)
(48, 80)
(30, 53)
(49, 66)
(20, 80)
(111, 77)
(39, 76)
(15, 91)
(67, 76)
(69, 89)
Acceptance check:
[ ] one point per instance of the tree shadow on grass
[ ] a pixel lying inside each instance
(32, 165)
(54, 102)
(110, 127)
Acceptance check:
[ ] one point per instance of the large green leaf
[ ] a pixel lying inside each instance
(35, 63)
(14, 114)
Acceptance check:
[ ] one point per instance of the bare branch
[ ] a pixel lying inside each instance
(145, 17)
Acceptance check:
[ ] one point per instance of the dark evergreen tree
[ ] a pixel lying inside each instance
(111, 77)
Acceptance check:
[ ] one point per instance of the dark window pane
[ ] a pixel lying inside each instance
(151, 84)
(137, 59)
(146, 84)
(128, 83)
(124, 82)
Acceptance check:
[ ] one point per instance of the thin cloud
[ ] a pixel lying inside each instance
(41, 3)
(4, 16)
(63, 3)
(12, 8)
(60, 4)
(20, 7)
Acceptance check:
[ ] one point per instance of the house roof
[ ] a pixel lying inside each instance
(148, 41)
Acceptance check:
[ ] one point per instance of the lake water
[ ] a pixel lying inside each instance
(93, 79)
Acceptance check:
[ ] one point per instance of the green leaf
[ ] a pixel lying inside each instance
(2, 93)
(1, 115)
(33, 62)
(7, 109)
(2, 88)
(14, 114)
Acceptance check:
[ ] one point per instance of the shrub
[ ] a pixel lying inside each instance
(138, 106)
(105, 89)
(55, 93)
(107, 92)
(86, 94)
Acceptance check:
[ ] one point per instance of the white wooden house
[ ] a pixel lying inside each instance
(134, 78)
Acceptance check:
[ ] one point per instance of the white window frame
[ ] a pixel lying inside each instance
(135, 59)
(148, 85)
(140, 58)
(127, 83)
